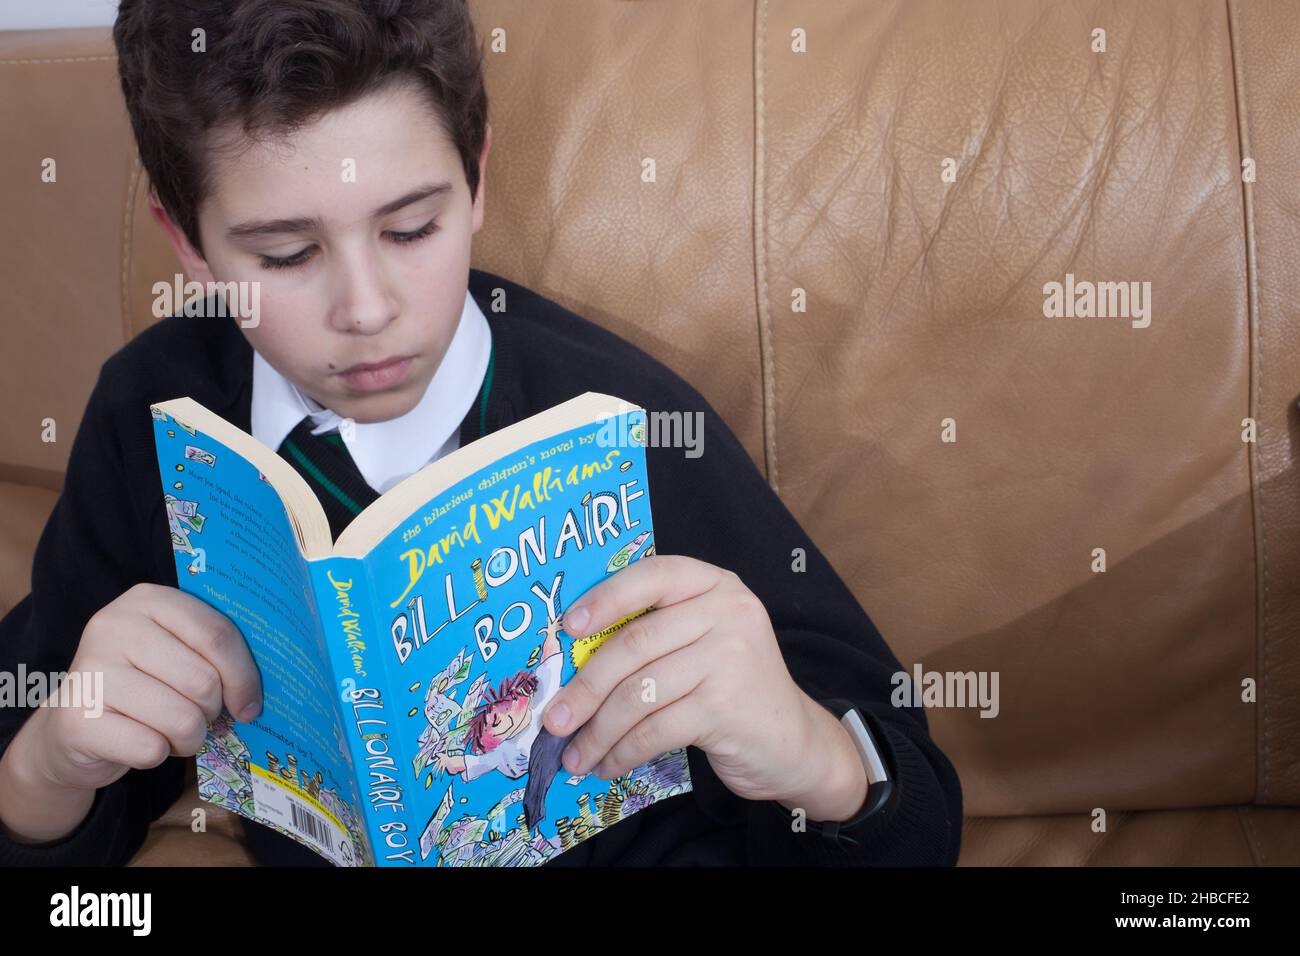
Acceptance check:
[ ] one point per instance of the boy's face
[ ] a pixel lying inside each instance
(504, 722)
(358, 227)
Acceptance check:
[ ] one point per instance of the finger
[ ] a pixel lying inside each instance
(658, 581)
(149, 701)
(637, 643)
(121, 740)
(156, 652)
(664, 730)
(657, 686)
(215, 637)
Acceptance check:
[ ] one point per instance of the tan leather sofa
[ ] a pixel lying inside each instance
(820, 174)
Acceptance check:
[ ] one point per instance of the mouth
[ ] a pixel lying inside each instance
(377, 376)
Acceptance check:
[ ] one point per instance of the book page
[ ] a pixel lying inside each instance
(235, 549)
(469, 592)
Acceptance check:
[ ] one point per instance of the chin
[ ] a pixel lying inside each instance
(380, 407)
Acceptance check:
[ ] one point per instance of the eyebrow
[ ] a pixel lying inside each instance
(269, 227)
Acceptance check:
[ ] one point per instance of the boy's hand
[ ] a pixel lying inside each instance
(450, 764)
(169, 662)
(704, 669)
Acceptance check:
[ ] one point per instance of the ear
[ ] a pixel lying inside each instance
(482, 180)
(191, 260)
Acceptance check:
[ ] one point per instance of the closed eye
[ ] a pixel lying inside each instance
(428, 229)
(302, 256)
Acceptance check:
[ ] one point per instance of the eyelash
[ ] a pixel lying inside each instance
(300, 258)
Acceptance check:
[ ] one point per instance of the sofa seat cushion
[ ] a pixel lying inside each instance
(1206, 836)
(172, 840)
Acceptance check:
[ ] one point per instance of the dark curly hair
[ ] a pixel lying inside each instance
(522, 684)
(274, 66)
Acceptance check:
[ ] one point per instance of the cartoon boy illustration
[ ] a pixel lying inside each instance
(504, 729)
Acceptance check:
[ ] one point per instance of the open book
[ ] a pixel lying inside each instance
(405, 666)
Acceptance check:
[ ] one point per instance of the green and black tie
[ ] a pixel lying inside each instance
(327, 465)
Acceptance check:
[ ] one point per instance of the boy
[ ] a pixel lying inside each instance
(370, 314)
(503, 730)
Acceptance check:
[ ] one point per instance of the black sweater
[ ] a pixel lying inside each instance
(109, 531)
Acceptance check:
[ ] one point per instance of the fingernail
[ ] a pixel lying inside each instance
(576, 619)
(559, 714)
(249, 712)
(570, 758)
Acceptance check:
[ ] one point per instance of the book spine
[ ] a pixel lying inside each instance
(353, 638)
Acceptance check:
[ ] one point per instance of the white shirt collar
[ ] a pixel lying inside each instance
(386, 452)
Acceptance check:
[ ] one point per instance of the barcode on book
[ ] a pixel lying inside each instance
(277, 805)
(306, 822)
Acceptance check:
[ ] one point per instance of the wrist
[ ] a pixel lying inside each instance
(834, 785)
(34, 808)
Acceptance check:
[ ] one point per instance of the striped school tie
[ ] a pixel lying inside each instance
(327, 465)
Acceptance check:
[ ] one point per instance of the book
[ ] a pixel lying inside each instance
(405, 666)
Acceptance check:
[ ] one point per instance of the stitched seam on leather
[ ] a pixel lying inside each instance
(1262, 725)
(132, 183)
(1252, 840)
(1103, 836)
(61, 59)
(765, 341)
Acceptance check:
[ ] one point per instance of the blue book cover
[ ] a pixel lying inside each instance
(405, 667)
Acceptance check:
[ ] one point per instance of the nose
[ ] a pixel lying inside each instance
(364, 301)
